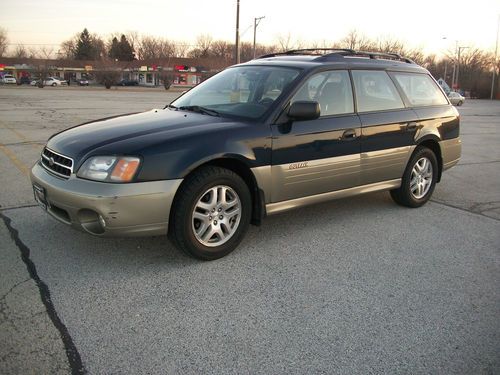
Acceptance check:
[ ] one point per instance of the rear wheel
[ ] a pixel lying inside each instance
(211, 213)
(419, 179)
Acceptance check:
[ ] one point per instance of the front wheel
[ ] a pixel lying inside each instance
(419, 179)
(211, 213)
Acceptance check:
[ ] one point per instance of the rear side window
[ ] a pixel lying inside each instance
(420, 89)
(332, 90)
(375, 91)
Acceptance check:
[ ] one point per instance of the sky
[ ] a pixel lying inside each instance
(421, 23)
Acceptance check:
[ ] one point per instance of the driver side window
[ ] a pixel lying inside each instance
(332, 90)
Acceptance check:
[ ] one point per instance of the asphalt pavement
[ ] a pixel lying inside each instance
(359, 285)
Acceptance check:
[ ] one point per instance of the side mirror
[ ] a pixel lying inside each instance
(304, 110)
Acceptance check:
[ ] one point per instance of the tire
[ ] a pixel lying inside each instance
(54, 84)
(459, 103)
(202, 225)
(412, 194)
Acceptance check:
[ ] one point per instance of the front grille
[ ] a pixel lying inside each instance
(56, 163)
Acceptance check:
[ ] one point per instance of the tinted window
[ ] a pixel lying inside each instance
(420, 89)
(332, 90)
(375, 91)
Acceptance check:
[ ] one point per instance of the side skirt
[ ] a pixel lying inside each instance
(278, 207)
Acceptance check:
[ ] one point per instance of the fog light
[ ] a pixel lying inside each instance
(102, 221)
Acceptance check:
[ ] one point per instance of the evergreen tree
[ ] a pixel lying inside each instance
(84, 47)
(114, 50)
(125, 50)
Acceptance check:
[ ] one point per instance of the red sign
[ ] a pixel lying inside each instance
(181, 68)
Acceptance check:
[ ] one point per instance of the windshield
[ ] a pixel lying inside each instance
(244, 91)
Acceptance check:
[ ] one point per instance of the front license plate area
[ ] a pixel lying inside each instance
(40, 196)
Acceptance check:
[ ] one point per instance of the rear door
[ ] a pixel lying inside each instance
(322, 155)
(388, 128)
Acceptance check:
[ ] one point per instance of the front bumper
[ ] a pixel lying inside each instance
(105, 209)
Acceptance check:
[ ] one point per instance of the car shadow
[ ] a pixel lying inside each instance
(48, 238)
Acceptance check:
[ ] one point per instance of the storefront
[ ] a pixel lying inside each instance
(187, 75)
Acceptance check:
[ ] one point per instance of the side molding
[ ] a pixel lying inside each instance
(279, 207)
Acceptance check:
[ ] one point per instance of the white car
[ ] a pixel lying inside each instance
(8, 78)
(456, 98)
(50, 81)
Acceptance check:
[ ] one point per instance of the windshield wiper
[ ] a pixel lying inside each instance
(198, 109)
(171, 106)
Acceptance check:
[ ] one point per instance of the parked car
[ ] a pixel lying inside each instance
(127, 82)
(279, 132)
(52, 81)
(24, 80)
(9, 79)
(456, 98)
(82, 82)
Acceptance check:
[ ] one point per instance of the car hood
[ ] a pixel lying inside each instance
(156, 124)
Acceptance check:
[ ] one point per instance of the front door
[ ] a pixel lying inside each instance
(322, 155)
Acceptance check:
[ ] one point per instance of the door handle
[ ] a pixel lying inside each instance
(411, 126)
(349, 134)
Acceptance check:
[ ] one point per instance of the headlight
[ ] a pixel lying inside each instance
(109, 168)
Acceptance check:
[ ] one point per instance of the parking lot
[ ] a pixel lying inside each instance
(352, 286)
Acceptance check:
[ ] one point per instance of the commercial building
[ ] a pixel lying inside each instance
(179, 71)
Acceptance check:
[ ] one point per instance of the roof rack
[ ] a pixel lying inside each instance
(339, 53)
(307, 51)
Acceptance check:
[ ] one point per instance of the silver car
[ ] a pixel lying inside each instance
(456, 98)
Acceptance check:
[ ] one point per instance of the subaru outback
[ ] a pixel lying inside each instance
(279, 132)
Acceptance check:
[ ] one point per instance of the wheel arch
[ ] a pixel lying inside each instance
(238, 166)
(432, 143)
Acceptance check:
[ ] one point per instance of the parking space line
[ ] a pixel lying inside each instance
(19, 165)
(22, 136)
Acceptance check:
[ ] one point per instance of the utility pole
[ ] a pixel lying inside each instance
(458, 63)
(445, 69)
(454, 66)
(495, 65)
(256, 22)
(237, 44)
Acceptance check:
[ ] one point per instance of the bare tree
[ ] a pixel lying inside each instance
(3, 41)
(155, 48)
(285, 43)
(221, 49)
(68, 48)
(133, 38)
(20, 52)
(181, 49)
(43, 68)
(357, 41)
(107, 73)
(203, 47)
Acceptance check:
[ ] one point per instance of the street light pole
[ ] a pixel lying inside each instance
(256, 22)
(237, 44)
(495, 65)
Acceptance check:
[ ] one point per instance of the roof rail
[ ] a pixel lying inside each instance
(339, 53)
(306, 51)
